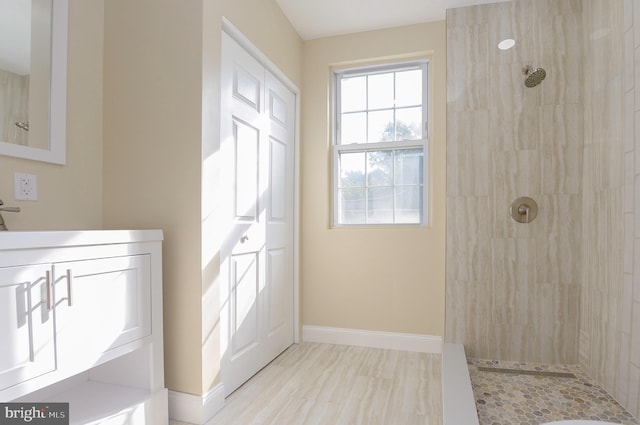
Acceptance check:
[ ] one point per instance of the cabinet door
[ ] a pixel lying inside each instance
(26, 324)
(101, 304)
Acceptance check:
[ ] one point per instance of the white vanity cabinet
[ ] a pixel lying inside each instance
(81, 322)
(26, 325)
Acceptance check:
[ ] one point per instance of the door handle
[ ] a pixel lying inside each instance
(49, 294)
(69, 288)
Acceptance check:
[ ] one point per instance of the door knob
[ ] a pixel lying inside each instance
(244, 239)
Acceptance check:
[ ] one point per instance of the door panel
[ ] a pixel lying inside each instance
(26, 324)
(104, 302)
(247, 88)
(276, 265)
(278, 182)
(244, 306)
(257, 139)
(247, 142)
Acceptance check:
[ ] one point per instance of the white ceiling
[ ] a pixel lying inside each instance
(323, 18)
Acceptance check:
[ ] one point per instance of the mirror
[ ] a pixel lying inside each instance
(33, 79)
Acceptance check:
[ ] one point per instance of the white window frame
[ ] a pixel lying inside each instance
(423, 143)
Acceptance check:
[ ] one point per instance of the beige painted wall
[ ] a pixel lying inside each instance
(70, 196)
(388, 278)
(162, 96)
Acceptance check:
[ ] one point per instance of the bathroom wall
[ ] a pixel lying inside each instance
(513, 289)
(382, 279)
(161, 113)
(69, 196)
(610, 304)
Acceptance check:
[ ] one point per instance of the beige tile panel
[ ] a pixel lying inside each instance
(562, 169)
(467, 69)
(466, 302)
(562, 59)
(558, 124)
(559, 240)
(468, 239)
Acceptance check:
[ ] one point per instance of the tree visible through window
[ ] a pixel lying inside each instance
(381, 145)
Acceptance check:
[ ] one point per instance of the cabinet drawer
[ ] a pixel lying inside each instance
(26, 324)
(101, 304)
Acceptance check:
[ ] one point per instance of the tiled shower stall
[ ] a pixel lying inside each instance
(564, 288)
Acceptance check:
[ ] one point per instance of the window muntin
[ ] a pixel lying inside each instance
(380, 152)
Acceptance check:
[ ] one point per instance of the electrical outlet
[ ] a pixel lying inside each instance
(25, 187)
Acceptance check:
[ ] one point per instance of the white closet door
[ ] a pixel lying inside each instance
(257, 141)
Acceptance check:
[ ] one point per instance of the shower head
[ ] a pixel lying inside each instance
(533, 76)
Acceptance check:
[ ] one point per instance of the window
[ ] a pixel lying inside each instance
(381, 147)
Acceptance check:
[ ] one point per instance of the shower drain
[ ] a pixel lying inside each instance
(527, 372)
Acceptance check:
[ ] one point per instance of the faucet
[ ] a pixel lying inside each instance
(8, 209)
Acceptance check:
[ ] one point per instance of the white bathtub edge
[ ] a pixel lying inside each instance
(458, 403)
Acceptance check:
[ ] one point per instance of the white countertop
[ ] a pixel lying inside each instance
(62, 238)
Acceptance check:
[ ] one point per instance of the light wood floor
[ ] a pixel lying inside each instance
(324, 384)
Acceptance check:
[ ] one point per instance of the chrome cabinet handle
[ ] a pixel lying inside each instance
(69, 288)
(49, 295)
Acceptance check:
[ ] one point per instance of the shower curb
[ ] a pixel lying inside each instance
(458, 402)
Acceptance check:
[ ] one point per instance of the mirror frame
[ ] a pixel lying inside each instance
(57, 95)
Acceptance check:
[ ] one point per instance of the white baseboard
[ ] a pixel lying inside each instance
(374, 339)
(196, 409)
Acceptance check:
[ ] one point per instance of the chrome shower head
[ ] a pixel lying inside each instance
(533, 76)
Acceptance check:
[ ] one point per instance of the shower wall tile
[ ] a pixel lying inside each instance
(637, 207)
(562, 169)
(629, 120)
(514, 272)
(469, 244)
(530, 275)
(516, 173)
(629, 58)
(637, 137)
(472, 175)
(558, 260)
(635, 295)
(502, 25)
(629, 167)
(626, 309)
(636, 20)
(468, 89)
(471, 300)
(557, 125)
(467, 16)
(636, 68)
(563, 62)
(552, 305)
(628, 262)
(634, 388)
(622, 385)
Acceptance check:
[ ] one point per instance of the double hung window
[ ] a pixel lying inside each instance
(380, 154)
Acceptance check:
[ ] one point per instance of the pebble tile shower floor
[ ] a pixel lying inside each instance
(511, 393)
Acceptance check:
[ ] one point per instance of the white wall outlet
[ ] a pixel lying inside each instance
(25, 187)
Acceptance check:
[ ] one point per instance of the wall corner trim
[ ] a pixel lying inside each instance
(196, 409)
(374, 339)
